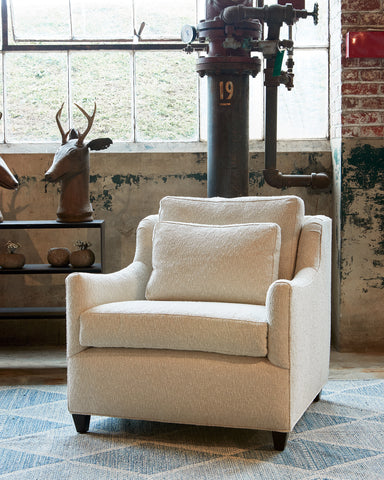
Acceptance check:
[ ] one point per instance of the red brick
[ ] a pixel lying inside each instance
(373, 19)
(372, 131)
(350, 62)
(360, 5)
(370, 117)
(370, 62)
(350, 74)
(350, 102)
(350, 131)
(350, 118)
(371, 75)
(360, 88)
(350, 19)
(372, 103)
(361, 118)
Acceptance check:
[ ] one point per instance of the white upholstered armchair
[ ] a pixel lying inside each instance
(222, 319)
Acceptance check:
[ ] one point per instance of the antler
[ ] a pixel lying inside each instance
(90, 119)
(63, 134)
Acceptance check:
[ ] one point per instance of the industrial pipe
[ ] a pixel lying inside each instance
(228, 146)
(229, 34)
(276, 179)
(228, 65)
(271, 174)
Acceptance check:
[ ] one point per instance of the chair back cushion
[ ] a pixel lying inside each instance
(214, 263)
(287, 211)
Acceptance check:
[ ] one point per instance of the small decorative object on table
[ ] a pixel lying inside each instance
(82, 257)
(58, 256)
(12, 259)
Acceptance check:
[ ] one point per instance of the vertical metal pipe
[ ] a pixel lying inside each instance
(228, 133)
(270, 127)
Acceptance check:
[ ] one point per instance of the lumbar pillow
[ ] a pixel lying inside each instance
(287, 211)
(214, 263)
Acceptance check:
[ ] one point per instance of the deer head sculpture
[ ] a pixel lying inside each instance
(70, 166)
(7, 180)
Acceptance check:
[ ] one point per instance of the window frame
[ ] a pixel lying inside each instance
(105, 44)
(133, 47)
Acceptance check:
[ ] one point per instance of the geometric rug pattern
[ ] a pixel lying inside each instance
(339, 438)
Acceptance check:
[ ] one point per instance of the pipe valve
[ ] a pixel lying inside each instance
(314, 14)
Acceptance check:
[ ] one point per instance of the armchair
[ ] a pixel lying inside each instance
(222, 319)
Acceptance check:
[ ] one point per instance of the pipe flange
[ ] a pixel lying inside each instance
(209, 29)
(229, 65)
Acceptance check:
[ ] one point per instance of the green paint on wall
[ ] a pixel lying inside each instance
(363, 185)
(120, 180)
(94, 178)
(199, 177)
(369, 163)
(256, 178)
(104, 198)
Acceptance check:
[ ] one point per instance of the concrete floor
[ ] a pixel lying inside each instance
(42, 365)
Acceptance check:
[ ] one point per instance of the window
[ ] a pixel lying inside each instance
(303, 111)
(145, 86)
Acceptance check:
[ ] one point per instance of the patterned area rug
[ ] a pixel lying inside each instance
(341, 437)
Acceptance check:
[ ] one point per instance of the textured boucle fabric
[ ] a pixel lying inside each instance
(144, 234)
(307, 294)
(181, 387)
(299, 314)
(86, 290)
(214, 263)
(287, 211)
(188, 386)
(232, 329)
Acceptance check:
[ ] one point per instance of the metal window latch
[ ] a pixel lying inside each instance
(138, 34)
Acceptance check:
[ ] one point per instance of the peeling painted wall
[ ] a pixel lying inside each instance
(362, 245)
(124, 188)
(356, 131)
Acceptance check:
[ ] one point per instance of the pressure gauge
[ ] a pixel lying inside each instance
(188, 34)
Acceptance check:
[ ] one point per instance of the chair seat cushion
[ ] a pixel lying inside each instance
(232, 329)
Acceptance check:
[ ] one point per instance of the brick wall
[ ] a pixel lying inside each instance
(335, 69)
(362, 78)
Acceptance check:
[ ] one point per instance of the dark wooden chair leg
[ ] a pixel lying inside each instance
(317, 398)
(81, 422)
(279, 440)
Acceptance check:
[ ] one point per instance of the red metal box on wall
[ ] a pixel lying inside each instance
(297, 4)
(368, 44)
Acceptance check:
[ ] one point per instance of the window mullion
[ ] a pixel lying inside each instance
(69, 88)
(133, 96)
(133, 81)
(70, 19)
(4, 99)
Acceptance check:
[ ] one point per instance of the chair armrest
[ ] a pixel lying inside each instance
(293, 305)
(299, 310)
(299, 335)
(299, 314)
(87, 290)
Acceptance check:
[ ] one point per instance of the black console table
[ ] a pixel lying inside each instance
(47, 312)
